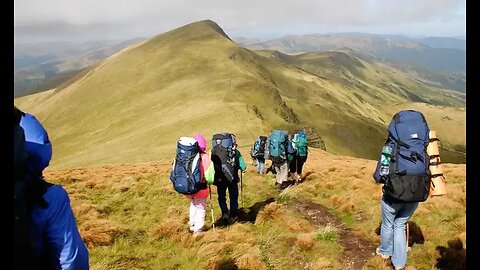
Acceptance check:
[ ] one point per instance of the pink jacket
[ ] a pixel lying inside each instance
(205, 163)
(202, 193)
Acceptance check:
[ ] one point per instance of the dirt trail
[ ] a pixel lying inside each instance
(357, 250)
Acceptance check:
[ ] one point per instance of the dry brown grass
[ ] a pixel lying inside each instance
(305, 241)
(251, 262)
(170, 228)
(321, 264)
(99, 232)
(270, 212)
(376, 263)
(348, 191)
(278, 214)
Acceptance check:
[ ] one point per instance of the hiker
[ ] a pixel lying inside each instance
(292, 158)
(227, 161)
(258, 153)
(403, 171)
(198, 201)
(278, 156)
(53, 237)
(299, 143)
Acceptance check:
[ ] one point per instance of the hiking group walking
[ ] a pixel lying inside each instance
(43, 211)
(288, 153)
(194, 171)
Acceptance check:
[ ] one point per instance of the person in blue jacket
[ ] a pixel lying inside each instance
(57, 242)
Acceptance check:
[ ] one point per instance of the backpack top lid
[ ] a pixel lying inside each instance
(278, 145)
(225, 139)
(302, 134)
(187, 141)
(409, 127)
(37, 144)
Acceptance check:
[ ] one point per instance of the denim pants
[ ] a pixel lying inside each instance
(393, 241)
(260, 165)
(222, 199)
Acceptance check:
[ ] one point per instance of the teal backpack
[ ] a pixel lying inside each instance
(301, 143)
(277, 146)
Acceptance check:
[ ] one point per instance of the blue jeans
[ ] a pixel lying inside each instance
(393, 240)
(222, 198)
(260, 165)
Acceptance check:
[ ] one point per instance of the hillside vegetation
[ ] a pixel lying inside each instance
(38, 66)
(441, 61)
(114, 128)
(131, 218)
(134, 105)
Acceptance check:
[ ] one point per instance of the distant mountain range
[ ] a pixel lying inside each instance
(135, 104)
(439, 60)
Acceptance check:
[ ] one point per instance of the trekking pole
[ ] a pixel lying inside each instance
(296, 169)
(211, 207)
(408, 234)
(241, 185)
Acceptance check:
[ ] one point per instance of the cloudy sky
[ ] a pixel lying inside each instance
(81, 20)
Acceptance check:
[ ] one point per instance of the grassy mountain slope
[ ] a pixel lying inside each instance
(42, 65)
(134, 105)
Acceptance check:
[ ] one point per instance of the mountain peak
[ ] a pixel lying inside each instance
(200, 29)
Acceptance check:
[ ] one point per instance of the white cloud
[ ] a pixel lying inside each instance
(257, 17)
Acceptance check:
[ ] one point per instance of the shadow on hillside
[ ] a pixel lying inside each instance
(246, 216)
(452, 257)
(253, 210)
(415, 233)
(228, 264)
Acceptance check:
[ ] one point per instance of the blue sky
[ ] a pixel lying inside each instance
(81, 20)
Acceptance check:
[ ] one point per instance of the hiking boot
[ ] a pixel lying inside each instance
(377, 252)
(224, 217)
(281, 186)
(396, 268)
(197, 234)
(232, 220)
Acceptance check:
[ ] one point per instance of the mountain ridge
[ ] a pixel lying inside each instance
(135, 104)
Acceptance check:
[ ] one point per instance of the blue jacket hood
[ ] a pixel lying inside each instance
(37, 144)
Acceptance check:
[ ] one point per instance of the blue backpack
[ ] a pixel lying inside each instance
(185, 174)
(258, 150)
(408, 179)
(278, 146)
(223, 156)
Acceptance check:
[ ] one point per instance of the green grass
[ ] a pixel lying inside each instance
(327, 233)
(131, 218)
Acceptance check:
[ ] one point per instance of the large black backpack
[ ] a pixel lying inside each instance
(223, 156)
(259, 147)
(408, 178)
